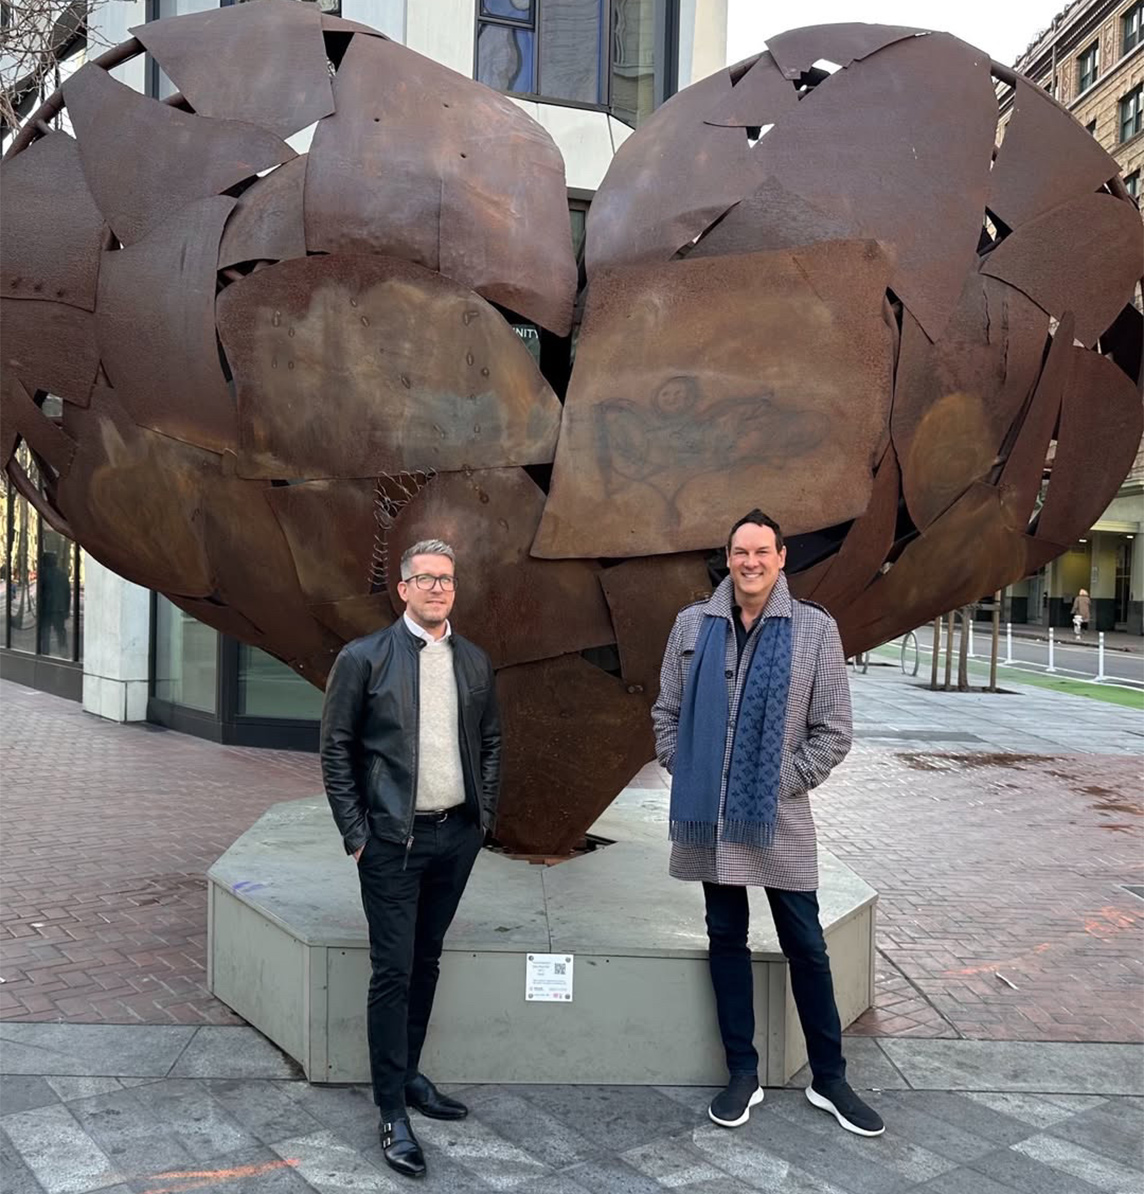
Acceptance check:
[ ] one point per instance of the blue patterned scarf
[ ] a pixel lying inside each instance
(756, 755)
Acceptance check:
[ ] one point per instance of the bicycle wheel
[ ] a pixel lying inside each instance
(910, 654)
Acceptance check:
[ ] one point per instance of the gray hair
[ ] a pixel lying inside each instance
(427, 547)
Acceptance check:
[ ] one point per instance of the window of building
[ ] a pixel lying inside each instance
(1132, 182)
(601, 53)
(1131, 27)
(1132, 113)
(1087, 67)
(186, 659)
(43, 577)
(268, 688)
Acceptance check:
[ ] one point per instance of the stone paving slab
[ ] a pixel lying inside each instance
(91, 1049)
(252, 1133)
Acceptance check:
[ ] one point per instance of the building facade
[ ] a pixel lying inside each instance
(1091, 58)
(589, 71)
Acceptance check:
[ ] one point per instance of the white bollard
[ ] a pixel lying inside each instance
(1008, 642)
(970, 638)
(1100, 657)
(1050, 668)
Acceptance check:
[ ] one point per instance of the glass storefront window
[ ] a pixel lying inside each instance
(186, 659)
(23, 564)
(57, 585)
(268, 688)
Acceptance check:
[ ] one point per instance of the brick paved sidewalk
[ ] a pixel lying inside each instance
(986, 863)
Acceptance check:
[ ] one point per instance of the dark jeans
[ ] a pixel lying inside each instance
(409, 904)
(795, 915)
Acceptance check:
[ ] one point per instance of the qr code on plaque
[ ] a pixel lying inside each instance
(560, 968)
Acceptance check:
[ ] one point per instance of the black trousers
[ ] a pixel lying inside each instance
(796, 920)
(410, 900)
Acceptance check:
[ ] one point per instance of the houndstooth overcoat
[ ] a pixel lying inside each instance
(816, 737)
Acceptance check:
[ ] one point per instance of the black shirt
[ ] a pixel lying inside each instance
(741, 632)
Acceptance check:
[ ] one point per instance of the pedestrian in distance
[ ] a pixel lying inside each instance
(410, 749)
(753, 712)
(1081, 611)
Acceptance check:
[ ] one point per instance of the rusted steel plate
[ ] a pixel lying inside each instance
(955, 400)
(428, 375)
(332, 24)
(315, 666)
(867, 543)
(1034, 172)
(156, 329)
(21, 416)
(1021, 476)
(262, 63)
(696, 389)
(804, 583)
(143, 160)
(761, 96)
(644, 595)
(635, 217)
(422, 164)
(266, 225)
(52, 258)
(770, 218)
(1124, 343)
(1085, 256)
(330, 527)
(354, 617)
(517, 608)
(891, 175)
(134, 497)
(31, 337)
(968, 552)
(573, 737)
(222, 618)
(1100, 430)
(797, 50)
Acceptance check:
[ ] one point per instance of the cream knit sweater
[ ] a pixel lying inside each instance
(440, 780)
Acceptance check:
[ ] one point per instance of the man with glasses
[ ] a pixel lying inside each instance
(411, 762)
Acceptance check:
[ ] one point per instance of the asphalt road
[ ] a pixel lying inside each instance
(1072, 660)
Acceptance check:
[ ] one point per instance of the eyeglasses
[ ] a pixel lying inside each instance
(426, 581)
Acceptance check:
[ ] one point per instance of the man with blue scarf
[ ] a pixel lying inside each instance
(753, 712)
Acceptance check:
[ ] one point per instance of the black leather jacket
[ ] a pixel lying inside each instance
(370, 734)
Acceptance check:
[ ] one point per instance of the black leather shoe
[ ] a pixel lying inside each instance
(402, 1152)
(423, 1096)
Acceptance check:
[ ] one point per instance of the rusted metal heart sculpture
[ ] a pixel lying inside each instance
(278, 370)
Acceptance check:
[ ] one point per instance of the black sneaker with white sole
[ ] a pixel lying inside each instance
(731, 1108)
(851, 1112)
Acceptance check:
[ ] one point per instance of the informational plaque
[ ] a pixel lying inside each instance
(548, 978)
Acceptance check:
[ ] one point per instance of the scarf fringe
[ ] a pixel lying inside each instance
(749, 833)
(693, 833)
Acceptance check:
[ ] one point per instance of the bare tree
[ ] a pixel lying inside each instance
(35, 37)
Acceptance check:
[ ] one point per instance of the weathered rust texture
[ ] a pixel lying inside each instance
(428, 375)
(1031, 176)
(266, 224)
(867, 543)
(156, 328)
(221, 618)
(1021, 475)
(573, 736)
(1096, 259)
(143, 160)
(635, 217)
(517, 608)
(797, 50)
(332, 24)
(330, 528)
(264, 64)
(769, 218)
(759, 97)
(1101, 424)
(644, 595)
(956, 399)
(920, 193)
(49, 346)
(663, 440)
(59, 261)
(456, 178)
(354, 617)
(133, 498)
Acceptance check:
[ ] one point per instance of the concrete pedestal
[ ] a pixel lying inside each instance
(288, 951)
